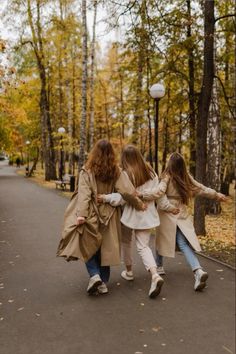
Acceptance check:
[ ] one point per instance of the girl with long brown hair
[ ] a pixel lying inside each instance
(178, 230)
(92, 230)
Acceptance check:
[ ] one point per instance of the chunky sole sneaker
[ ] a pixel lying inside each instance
(161, 271)
(93, 284)
(156, 286)
(127, 275)
(102, 289)
(200, 280)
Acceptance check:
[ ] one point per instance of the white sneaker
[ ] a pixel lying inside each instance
(102, 289)
(160, 270)
(94, 283)
(200, 279)
(156, 285)
(127, 275)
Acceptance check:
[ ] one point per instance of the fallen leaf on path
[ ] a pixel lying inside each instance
(163, 344)
(227, 349)
(219, 270)
(25, 289)
(141, 304)
(145, 345)
(10, 301)
(37, 314)
(156, 329)
(163, 298)
(2, 318)
(20, 309)
(118, 284)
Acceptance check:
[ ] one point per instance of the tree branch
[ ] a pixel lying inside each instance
(225, 16)
(225, 96)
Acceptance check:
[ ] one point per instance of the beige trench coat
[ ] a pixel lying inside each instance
(166, 231)
(102, 228)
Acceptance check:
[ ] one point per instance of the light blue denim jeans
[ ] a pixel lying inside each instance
(187, 250)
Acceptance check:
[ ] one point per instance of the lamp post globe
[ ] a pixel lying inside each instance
(61, 130)
(157, 91)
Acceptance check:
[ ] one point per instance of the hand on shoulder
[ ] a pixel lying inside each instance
(221, 197)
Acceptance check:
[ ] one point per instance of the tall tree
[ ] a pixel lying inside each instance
(82, 145)
(92, 79)
(203, 112)
(46, 127)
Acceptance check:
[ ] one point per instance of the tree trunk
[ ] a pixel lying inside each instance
(214, 150)
(46, 131)
(203, 110)
(92, 83)
(84, 87)
(191, 94)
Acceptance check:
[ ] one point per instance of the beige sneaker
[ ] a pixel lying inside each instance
(200, 279)
(156, 286)
(102, 289)
(127, 275)
(93, 284)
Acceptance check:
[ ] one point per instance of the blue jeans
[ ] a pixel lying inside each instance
(184, 247)
(94, 267)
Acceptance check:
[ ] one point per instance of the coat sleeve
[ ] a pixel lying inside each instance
(84, 194)
(126, 189)
(163, 203)
(115, 199)
(157, 191)
(202, 190)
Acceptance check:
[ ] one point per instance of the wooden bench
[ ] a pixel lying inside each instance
(65, 182)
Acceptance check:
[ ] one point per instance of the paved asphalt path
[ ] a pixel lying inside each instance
(45, 309)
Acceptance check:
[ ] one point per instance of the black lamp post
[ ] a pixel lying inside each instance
(27, 168)
(61, 131)
(157, 91)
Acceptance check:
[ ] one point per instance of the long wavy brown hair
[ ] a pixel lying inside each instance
(133, 163)
(102, 162)
(176, 169)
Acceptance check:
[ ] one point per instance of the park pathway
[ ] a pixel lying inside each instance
(45, 309)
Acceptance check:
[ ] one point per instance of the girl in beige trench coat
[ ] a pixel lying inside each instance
(178, 229)
(92, 231)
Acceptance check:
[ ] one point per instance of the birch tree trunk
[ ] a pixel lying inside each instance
(92, 82)
(214, 150)
(84, 87)
(203, 111)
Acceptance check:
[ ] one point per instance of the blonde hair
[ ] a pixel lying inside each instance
(137, 169)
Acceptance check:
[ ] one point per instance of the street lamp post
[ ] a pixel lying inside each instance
(157, 91)
(27, 168)
(61, 131)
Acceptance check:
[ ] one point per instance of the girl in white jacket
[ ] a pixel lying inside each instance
(143, 178)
